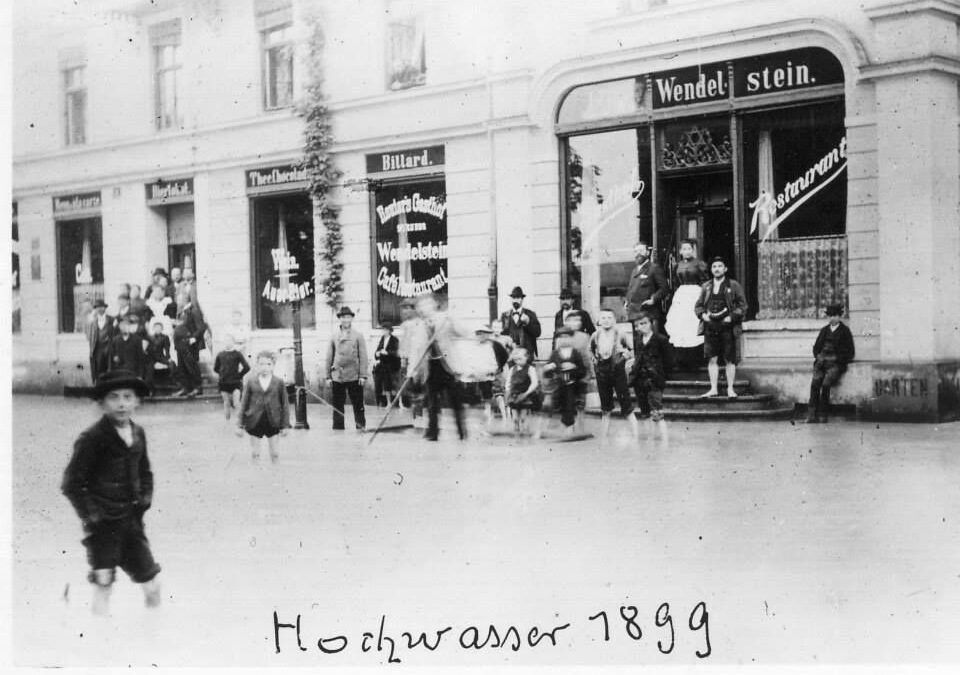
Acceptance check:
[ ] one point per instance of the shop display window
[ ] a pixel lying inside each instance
(609, 209)
(410, 244)
(282, 223)
(80, 271)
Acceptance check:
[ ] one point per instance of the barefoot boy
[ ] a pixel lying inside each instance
(110, 485)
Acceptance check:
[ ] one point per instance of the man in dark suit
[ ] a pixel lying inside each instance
(566, 307)
(187, 339)
(520, 323)
(647, 289)
(100, 331)
(832, 351)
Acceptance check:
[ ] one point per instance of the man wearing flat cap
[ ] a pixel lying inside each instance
(568, 309)
(520, 323)
(100, 331)
(346, 370)
(832, 351)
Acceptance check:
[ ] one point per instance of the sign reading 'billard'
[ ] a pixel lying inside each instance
(767, 74)
(416, 158)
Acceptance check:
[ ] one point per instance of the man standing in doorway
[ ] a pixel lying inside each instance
(647, 289)
(520, 323)
(721, 307)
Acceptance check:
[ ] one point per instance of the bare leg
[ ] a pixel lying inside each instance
(151, 593)
(226, 404)
(254, 447)
(713, 368)
(273, 442)
(634, 425)
(731, 377)
(605, 424)
(502, 404)
(235, 399)
(102, 580)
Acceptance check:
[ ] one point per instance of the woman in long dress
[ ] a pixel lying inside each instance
(682, 322)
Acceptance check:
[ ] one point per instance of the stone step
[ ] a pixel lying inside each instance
(745, 402)
(719, 414)
(697, 387)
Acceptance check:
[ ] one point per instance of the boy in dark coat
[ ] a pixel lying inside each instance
(110, 485)
(126, 350)
(264, 410)
(567, 365)
(832, 351)
(652, 362)
(158, 354)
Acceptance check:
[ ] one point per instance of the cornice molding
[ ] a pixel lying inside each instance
(949, 9)
(927, 64)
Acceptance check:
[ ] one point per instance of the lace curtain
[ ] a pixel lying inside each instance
(798, 278)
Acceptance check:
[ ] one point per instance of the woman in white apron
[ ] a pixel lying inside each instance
(682, 323)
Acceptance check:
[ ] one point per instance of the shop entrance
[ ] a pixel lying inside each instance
(700, 206)
(181, 249)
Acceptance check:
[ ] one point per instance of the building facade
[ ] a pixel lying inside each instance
(812, 145)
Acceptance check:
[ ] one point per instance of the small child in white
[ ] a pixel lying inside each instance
(264, 410)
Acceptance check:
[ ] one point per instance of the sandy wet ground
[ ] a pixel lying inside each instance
(804, 545)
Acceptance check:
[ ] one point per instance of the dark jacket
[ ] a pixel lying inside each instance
(99, 338)
(127, 354)
(568, 370)
(106, 479)
(653, 360)
(587, 323)
(191, 325)
(842, 344)
(734, 297)
(158, 349)
(523, 335)
(255, 401)
(231, 366)
(390, 362)
(647, 282)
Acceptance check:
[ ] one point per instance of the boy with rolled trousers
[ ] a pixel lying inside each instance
(612, 354)
(346, 370)
(832, 351)
(110, 485)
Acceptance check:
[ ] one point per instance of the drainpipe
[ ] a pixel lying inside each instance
(492, 254)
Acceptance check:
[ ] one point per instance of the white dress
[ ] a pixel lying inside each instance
(158, 306)
(682, 322)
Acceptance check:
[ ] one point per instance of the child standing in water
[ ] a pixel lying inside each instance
(110, 484)
(523, 389)
(231, 366)
(264, 411)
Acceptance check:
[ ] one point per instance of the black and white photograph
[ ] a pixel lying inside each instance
(506, 336)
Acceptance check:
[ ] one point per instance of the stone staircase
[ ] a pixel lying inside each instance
(682, 399)
(165, 387)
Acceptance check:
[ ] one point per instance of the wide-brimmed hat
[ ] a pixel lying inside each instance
(566, 293)
(834, 309)
(563, 330)
(386, 325)
(99, 302)
(517, 292)
(130, 317)
(345, 311)
(119, 379)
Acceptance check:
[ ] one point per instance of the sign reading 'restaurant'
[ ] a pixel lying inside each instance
(767, 74)
(399, 160)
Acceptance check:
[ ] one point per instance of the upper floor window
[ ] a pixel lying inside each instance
(277, 67)
(406, 53)
(75, 104)
(165, 44)
(275, 21)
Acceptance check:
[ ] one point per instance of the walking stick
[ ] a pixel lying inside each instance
(426, 350)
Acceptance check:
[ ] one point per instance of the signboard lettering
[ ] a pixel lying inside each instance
(690, 85)
(276, 176)
(416, 158)
(169, 191)
(286, 289)
(86, 201)
(785, 71)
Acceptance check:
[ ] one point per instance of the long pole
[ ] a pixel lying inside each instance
(300, 405)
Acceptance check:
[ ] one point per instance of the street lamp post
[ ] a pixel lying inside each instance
(300, 406)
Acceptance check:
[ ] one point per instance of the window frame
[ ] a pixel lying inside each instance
(160, 71)
(268, 85)
(73, 93)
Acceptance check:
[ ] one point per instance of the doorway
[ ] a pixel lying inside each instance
(700, 206)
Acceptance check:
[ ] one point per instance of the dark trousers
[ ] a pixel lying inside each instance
(649, 398)
(98, 363)
(383, 381)
(439, 382)
(566, 402)
(825, 375)
(612, 379)
(150, 373)
(340, 392)
(189, 365)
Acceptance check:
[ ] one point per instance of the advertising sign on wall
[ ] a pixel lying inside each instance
(410, 242)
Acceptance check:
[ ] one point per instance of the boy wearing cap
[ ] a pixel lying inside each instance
(520, 323)
(566, 309)
(346, 370)
(721, 307)
(832, 351)
(110, 485)
(127, 349)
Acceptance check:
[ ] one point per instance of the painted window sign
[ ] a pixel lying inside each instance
(287, 288)
(410, 257)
